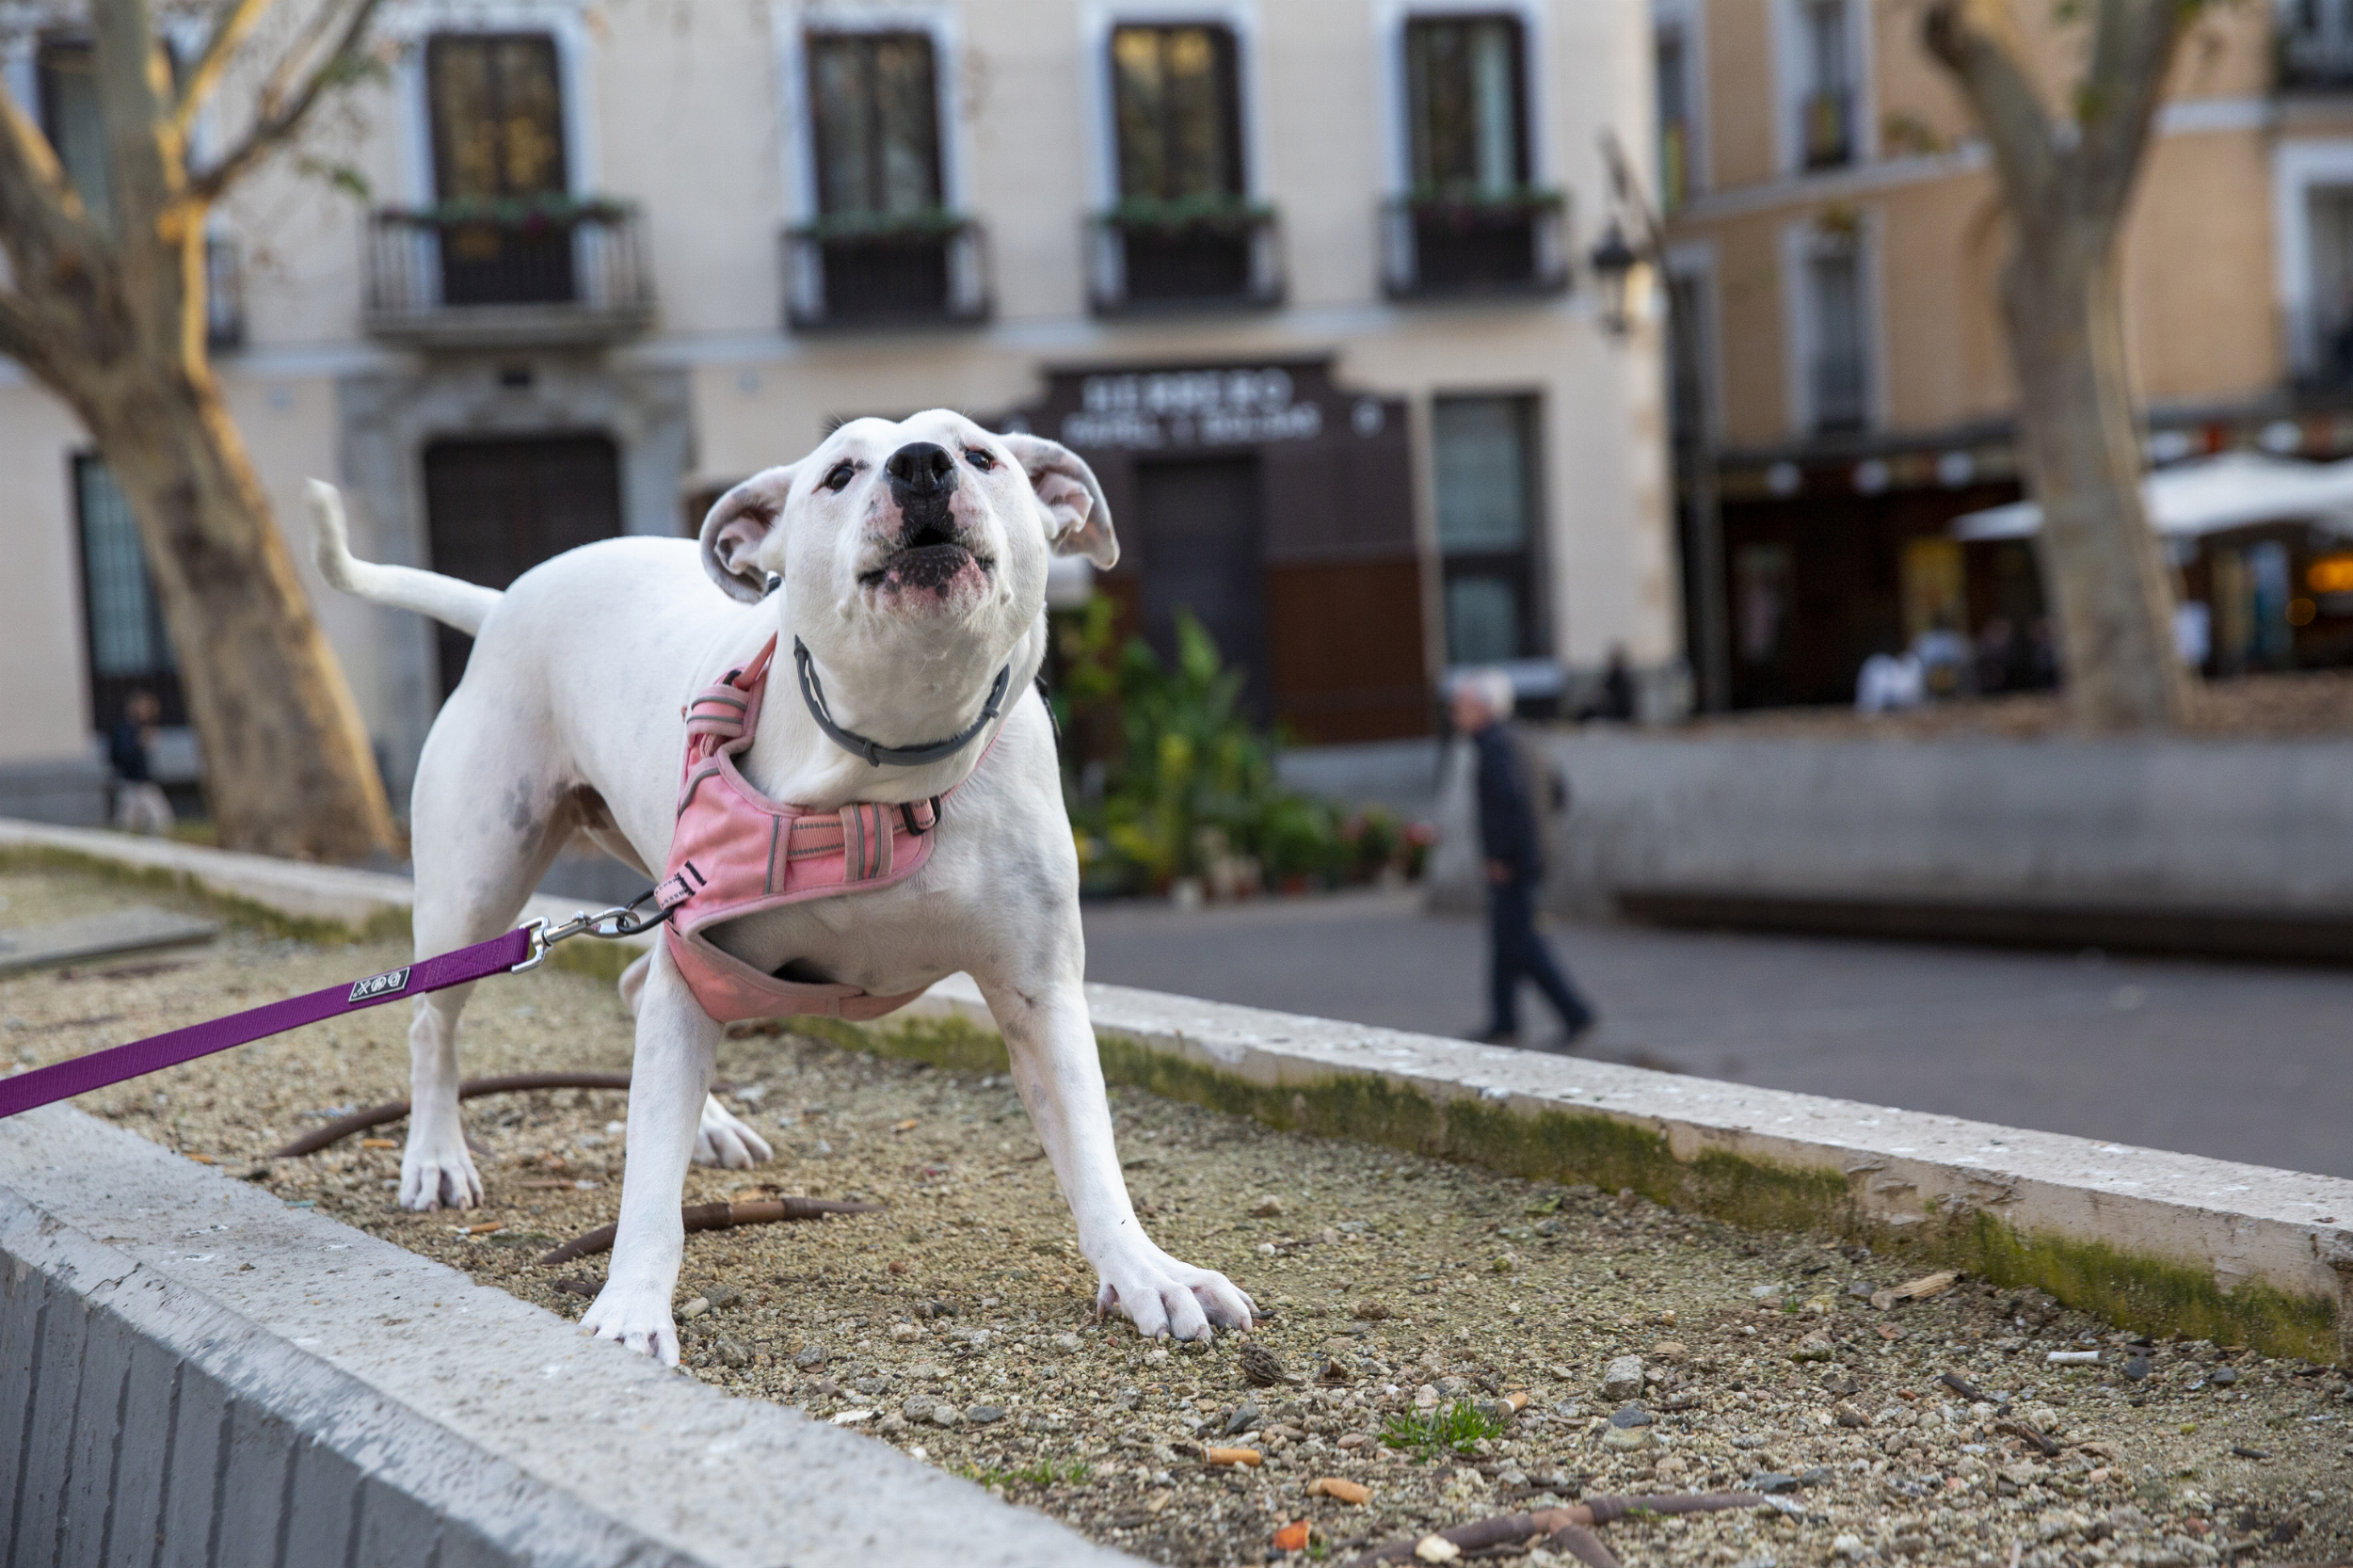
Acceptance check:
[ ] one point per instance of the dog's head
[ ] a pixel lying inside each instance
(931, 527)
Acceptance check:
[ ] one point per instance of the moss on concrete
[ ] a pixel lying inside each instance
(386, 925)
(2147, 1294)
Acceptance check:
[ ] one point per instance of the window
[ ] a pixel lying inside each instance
(128, 649)
(1484, 472)
(2316, 43)
(1184, 231)
(497, 109)
(1177, 96)
(2328, 346)
(1466, 104)
(882, 247)
(1826, 111)
(1672, 65)
(875, 109)
(69, 117)
(1838, 354)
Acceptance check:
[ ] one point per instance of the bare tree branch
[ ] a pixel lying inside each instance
(279, 124)
(204, 76)
(1976, 41)
(40, 213)
(2133, 44)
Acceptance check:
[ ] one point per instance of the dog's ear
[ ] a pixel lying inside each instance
(738, 524)
(1078, 519)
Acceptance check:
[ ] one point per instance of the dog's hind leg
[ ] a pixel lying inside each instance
(486, 826)
(722, 1138)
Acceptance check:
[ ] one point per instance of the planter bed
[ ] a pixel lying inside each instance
(1401, 1272)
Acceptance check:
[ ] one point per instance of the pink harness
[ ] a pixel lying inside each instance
(736, 852)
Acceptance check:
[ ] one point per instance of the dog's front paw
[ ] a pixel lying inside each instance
(638, 1318)
(724, 1139)
(436, 1172)
(1161, 1296)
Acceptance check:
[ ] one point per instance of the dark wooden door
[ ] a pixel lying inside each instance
(1203, 528)
(496, 508)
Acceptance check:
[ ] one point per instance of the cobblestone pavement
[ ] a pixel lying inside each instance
(2239, 1062)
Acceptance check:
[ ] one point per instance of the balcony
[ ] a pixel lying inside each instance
(1826, 128)
(928, 269)
(555, 272)
(1467, 246)
(224, 295)
(1156, 256)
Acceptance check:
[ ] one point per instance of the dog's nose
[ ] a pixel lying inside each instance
(921, 468)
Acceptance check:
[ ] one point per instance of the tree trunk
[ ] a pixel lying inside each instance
(288, 769)
(2101, 560)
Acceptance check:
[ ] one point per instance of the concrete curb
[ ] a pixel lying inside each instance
(190, 1372)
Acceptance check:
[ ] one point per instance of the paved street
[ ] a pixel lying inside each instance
(2236, 1061)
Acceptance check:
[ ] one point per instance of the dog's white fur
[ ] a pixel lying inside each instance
(569, 720)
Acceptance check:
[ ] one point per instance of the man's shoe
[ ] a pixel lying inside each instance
(1565, 1043)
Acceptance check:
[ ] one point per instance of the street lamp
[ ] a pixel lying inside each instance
(1616, 262)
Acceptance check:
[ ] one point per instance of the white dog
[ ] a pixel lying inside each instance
(913, 559)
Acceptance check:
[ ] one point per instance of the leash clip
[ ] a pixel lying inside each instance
(619, 920)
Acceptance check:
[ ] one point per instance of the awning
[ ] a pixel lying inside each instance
(2207, 495)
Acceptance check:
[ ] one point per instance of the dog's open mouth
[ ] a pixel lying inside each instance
(928, 559)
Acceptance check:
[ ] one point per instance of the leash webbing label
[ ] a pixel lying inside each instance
(380, 985)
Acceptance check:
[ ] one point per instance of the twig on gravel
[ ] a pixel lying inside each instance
(2019, 1428)
(1568, 1529)
(719, 1216)
(393, 1110)
(1968, 1390)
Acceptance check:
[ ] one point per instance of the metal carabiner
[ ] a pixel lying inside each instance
(617, 922)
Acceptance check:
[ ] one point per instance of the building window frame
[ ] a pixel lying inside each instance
(1793, 85)
(162, 674)
(1687, 20)
(1803, 244)
(1537, 634)
(2300, 168)
(414, 25)
(1395, 95)
(1239, 19)
(790, 27)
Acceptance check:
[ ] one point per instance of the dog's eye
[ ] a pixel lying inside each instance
(979, 459)
(838, 476)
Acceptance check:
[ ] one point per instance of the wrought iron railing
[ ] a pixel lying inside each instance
(1450, 246)
(1826, 128)
(224, 294)
(1146, 256)
(930, 270)
(568, 269)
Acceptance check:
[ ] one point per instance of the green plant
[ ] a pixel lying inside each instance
(1454, 1429)
(1186, 783)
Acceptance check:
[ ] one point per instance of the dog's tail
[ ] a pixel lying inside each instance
(463, 605)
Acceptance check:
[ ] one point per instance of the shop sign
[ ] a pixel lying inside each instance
(1149, 411)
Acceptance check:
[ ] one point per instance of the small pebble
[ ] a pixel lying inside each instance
(1624, 1380)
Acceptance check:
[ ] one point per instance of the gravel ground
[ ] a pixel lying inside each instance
(957, 1324)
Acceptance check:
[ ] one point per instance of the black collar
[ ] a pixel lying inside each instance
(875, 752)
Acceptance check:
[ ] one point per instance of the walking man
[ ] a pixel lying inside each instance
(140, 805)
(1511, 842)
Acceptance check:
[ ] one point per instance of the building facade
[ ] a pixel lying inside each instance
(1837, 238)
(1304, 280)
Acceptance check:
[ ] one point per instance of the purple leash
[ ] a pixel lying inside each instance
(517, 951)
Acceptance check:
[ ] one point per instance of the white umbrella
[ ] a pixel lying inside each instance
(2206, 495)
